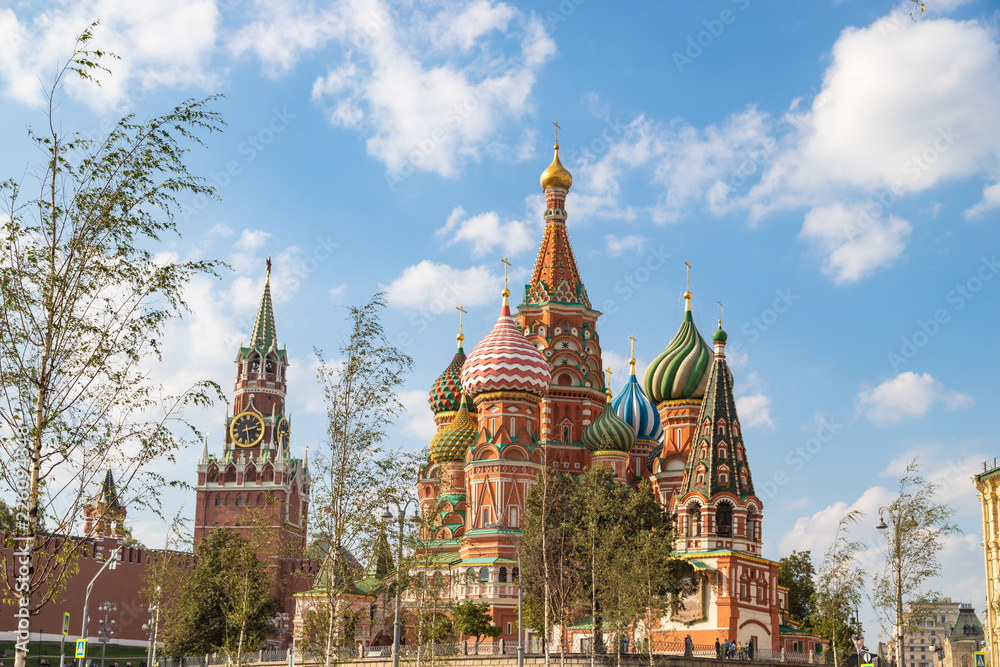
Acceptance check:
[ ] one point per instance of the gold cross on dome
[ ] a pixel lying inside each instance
(609, 372)
(688, 265)
(461, 311)
(720, 313)
(631, 352)
(556, 123)
(505, 265)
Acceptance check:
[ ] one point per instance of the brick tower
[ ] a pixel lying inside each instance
(103, 514)
(557, 317)
(256, 470)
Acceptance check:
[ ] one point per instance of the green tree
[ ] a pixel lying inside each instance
(552, 579)
(839, 589)
(645, 572)
(796, 574)
(226, 604)
(85, 300)
(353, 477)
(914, 525)
(474, 620)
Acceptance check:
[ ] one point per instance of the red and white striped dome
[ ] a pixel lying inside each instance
(505, 361)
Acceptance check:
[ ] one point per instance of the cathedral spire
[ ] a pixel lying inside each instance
(718, 461)
(556, 277)
(264, 337)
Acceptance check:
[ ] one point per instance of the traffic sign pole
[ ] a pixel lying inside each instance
(62, 640)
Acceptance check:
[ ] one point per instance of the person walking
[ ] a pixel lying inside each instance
(718, 649)
(688, 647)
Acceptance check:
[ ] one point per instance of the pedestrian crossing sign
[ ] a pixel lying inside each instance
(980, 658)
(81, 648)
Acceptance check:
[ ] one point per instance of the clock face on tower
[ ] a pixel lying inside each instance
(247, 429)
(283, 432)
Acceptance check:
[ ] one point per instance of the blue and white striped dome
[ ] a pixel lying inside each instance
(638, 411)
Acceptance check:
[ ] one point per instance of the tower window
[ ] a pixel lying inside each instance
(484, 575)
(255, 365)
(565, 437)
(486, 516)
(269, 366)
(503, 575)
(512, 430)
(239, 500)
(218, 500)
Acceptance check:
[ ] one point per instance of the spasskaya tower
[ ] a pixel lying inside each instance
(256, 479)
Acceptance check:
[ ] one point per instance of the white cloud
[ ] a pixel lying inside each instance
(907, 395)
(486, 233)
(160, 42)
(419, 420)
(907, 102)
(437, 287)
(431, 89)
(337, 293)
(618, 246)
(904, 106)
(854, 243)
(990, 201)
(754, 410)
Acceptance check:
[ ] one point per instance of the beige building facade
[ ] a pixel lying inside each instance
(988, 486)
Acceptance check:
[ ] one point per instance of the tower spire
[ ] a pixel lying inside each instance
(264, 336)
(631, 354)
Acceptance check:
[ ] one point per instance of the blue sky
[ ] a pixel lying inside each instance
(830, 170)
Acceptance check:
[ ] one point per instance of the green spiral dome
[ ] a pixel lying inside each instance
(609, 432)
(681, 370)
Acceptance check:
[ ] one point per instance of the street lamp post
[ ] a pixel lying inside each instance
(107, 628)
(400, 515)
(520, 590)
(857, 638)
(893, 556)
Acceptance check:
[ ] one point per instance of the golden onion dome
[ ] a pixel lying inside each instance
(556, 176)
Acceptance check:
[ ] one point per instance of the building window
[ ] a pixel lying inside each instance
(515, 575)
(239, 500)
(484, 575)
(512, 430)
(486, 516)
(218, 501)
(514, 517)
(503, 575)
(493, 426)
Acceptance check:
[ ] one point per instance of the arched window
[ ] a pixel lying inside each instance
(565, 437)
(515, 575)
(724, 475)
(218, 500)
(722, 429)
(255, 364)
(503, 575)
(724, 520)
(512, 430)
(470, 576)
(484, 574)
(239, 500)
(694, 520)
(703, 452)
(269, 365)
(564, 380)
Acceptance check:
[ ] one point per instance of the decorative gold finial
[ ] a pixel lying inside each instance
(607, 390)
(506, 292)
(631, 354)
(556, 175)
(687, 288)
(269, 268)
(720, 313)
(461, 311)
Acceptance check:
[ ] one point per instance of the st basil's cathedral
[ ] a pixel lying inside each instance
(531, 393)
